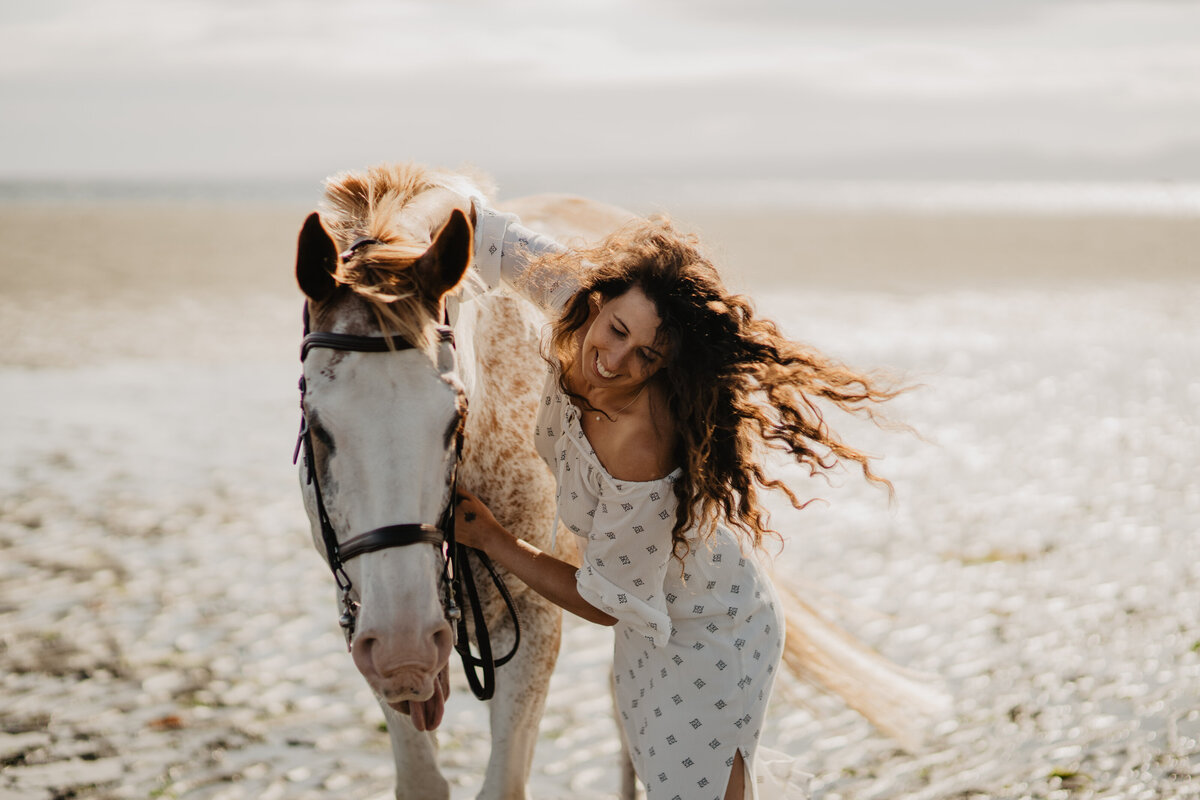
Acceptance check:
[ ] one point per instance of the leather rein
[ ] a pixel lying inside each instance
(457, 577)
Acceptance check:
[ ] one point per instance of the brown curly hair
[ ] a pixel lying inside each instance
(732, 381)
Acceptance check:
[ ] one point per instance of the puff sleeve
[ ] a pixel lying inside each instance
(626, 557)
(503, 247)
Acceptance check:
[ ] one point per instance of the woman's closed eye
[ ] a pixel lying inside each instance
(648, 356)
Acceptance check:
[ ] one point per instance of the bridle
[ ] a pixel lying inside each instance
(456, 568)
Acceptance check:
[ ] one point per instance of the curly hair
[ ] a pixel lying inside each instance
(732, 381)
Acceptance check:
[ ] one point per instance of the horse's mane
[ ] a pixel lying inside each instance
(369, 203)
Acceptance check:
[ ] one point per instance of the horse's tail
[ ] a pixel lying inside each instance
(902, 704)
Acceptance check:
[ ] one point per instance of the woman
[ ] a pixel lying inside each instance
(661, 390)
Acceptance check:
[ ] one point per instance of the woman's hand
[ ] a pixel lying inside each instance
(552, 578)
(474, 524)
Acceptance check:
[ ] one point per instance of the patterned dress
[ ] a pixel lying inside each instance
(697, 644)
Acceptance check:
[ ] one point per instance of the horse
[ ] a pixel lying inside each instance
(392, 416)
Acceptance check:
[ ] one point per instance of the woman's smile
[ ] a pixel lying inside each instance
(601, 371)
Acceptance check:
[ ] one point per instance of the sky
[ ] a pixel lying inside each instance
(856, 89)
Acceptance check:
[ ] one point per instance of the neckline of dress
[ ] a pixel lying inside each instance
(575, 420)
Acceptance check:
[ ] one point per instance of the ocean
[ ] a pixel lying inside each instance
(646, 194)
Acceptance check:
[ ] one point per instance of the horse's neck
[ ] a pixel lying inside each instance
(498, 354)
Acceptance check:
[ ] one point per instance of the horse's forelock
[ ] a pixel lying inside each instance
(369, 203)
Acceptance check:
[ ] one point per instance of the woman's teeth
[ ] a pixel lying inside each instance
(603, 372)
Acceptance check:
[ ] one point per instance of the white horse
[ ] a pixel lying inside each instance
(382, 439)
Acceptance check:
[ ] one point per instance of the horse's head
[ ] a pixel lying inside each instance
(383, 425)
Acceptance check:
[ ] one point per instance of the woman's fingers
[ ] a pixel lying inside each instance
(467, 512)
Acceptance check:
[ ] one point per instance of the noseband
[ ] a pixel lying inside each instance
(456, 568)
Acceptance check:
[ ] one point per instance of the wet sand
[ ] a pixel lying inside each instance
(166, 629)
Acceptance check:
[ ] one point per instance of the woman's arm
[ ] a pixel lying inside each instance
(504, 249)
(548, 576)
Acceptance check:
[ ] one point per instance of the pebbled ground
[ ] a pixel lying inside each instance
(166, 629)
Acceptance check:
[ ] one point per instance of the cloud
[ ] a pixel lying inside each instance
(226, 84)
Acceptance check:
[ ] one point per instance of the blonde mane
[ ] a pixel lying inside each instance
(369, 203)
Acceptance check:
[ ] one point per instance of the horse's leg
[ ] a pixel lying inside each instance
(415, 754)
(521, 688)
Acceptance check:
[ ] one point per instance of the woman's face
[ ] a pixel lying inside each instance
(621, 348)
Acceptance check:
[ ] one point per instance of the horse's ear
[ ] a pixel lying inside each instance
(444, 264)
(316, 259)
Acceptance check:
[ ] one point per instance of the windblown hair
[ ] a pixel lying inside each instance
(732, 381)
(370, 203)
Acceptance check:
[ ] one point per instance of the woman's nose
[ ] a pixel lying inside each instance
(620, 354)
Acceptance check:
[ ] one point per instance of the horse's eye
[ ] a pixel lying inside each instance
(322, 435)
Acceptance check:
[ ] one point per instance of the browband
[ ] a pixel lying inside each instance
(364, 344)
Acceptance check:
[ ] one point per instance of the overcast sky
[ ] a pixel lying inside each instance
(948, 89)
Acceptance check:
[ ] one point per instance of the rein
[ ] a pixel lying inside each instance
(457, 577)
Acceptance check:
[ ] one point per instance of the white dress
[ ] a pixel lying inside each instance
(697, 644)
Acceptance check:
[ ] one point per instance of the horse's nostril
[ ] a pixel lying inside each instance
(362, 652)
(443, 640)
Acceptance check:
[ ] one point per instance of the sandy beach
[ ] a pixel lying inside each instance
(166, 629)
